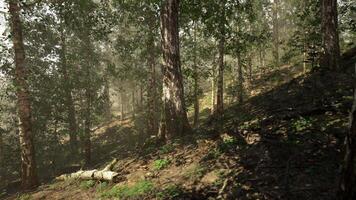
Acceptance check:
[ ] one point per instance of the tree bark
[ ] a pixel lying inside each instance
(220, 81)
(213, 90)
(276, 33)
(122, 105)
(28, 162)
(240, 78)
(196, 79)
(347, 185)
(174, 120)
(88, 101)
(331, 55)
(133, 103)
(107, 102)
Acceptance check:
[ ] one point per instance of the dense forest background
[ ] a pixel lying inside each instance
(69, 68)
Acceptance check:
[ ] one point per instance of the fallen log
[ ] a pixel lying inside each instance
(101, 175)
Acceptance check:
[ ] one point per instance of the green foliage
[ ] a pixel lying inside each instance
(228, 143)
(302, 124)
(101, 187)
(24, 197)
(87, 184)
(170, 192)
(168, 148)
(195, 172)
(139, 189)
(161, 164)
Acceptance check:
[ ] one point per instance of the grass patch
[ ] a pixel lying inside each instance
(168, 148)
(170, 192)
(24, 197)
(161, 164)
(196, 171)
(87, 184)
(138, 190)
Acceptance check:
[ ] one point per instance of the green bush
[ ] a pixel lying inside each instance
(168, 148)
(161, 164)
(302, 124)
(139, 189)
(170, 192)
(87, 184)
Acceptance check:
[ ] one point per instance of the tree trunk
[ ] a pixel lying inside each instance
(28, 164)
(213, 89)
(122, 105)
(331, 54)
(276, 33)
(152, 123)
(220, 81)
(133, 103)
(174, 120)
(240, 78)
(107, 102)
(347, 185)
(88, 101)
(71, 119)
(196, 79)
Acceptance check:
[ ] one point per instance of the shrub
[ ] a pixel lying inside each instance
(161, 164)
(87, 184)
(139, 189)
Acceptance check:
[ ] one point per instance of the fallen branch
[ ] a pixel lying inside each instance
(102, 175)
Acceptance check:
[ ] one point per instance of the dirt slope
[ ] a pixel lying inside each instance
(282, 144)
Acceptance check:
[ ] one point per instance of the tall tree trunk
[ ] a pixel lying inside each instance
(220, 81)
(331, 54)
(152, 123)
(174, 119)
(28, 161)
(240, 78)
(276, 33)
(1, 155)
(122, 105)
(88, 102)
(196, 79)
(71, 119)
(107, 102)
(213, 90)
(133, 103)
(347, 185)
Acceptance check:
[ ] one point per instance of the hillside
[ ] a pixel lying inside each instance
(282, 144)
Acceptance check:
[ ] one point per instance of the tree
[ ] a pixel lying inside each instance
(71, 118)
(174, 120)
(28, 166)
(331, 52)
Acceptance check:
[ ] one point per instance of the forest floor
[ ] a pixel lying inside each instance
(283, 143)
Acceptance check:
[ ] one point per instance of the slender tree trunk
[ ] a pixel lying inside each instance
(107, 102)
(71, 119)
(220, 81)
(240, 78)
(213, 89)
(174, 120)
(276, 33)
(88, 102)
(331, 54)
(1, 156)
(133, 103)
(196, 79)
(28, 161)
(347, 185)
(122, 105)
(152, 124)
